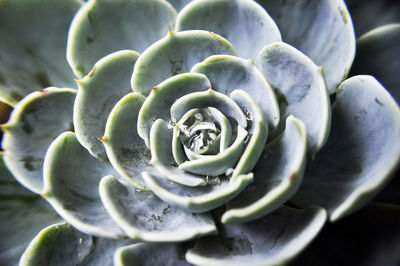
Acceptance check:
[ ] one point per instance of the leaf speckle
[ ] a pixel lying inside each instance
(378, 102)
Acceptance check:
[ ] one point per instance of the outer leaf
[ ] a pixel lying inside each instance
(271, 240)
(175, 54)
(33, 57)
(301, 88)
(71, 186)
(196, 199)
(57, 244)
(126, 150)
(61, 244)
(321, 29)
(143, 254)
(361, 153)
(243, 23)
(378, 54)
(33, 125)
(278, 172)
(96, 28)
(144, 216)
(22, 215)
(98, 92)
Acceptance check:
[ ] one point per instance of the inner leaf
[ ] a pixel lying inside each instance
(198, 132)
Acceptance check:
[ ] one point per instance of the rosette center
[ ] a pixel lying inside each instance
(198, 132)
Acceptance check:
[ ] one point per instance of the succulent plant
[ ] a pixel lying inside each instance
(203, 132)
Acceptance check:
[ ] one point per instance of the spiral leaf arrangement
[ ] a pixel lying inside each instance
(208, 132)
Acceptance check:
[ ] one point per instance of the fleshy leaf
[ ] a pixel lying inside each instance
(71, 186)
(55, 244)
(362, 151)
(158, 103)
(272, 240)
(226, 128)
(301, 88)
(33, 125)
(61, 244)
(257, 132)
(204, 99)
(170, 254)
(162, 158)
(144, 216)
(126, 151)
(33, 57)
(228, 73)
(22, 215)
(321, 29)
(175, 54)
(98, 92)
(197, 199)
(96, 31)
(378, 54)
(178, 151)
(278, 175)
(245, 24)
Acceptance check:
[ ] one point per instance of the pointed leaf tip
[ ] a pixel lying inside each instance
(103, 139)
(92, 71)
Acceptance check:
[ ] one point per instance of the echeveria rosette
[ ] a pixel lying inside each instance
(226, 123)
